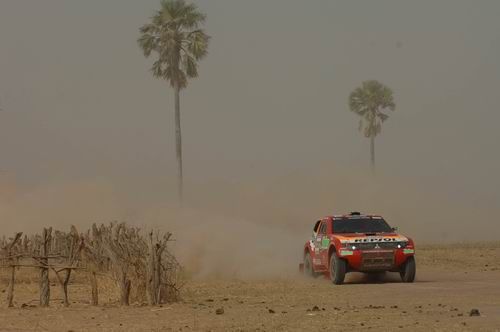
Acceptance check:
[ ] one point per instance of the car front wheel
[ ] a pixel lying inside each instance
(338, 268)
(409, 270)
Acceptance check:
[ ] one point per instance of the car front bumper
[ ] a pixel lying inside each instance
(376, 259)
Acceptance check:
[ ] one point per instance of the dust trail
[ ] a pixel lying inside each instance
(258, 228)
(254, 228)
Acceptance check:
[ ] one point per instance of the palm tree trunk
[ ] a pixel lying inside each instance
(372, 152)
(178, 142)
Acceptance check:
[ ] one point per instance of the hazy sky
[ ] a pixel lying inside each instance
(80, 102)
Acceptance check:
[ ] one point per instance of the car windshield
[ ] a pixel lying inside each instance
(362, 225)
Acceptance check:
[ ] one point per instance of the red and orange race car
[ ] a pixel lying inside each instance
(357, 243)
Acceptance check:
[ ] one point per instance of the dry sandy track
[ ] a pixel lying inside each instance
(440, 300)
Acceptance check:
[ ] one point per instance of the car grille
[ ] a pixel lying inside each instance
(378, 245)
(376, 260)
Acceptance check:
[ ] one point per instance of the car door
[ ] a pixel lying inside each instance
(315, 244)
(324, 243)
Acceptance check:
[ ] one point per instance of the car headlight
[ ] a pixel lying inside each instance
(402, 245)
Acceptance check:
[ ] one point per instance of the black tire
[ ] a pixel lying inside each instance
(338, 269)
(308, 267)
(409, 270)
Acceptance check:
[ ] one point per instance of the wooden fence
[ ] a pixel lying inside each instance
(122, 252)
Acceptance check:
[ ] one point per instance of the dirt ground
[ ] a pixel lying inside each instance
(450, 282)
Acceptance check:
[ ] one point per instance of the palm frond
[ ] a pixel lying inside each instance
(369, 101)
(190, 66)
(147, 43)
(157, 69)
(197, 43)
(175, 36)
(382, 116)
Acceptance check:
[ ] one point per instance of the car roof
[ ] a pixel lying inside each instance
(353, 216)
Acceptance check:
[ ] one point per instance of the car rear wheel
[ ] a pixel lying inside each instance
(308, 267)
(338, 268)
(409, 270)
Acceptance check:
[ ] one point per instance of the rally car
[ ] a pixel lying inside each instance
(357, 243)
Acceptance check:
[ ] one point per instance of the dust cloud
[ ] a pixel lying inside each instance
(256, 228)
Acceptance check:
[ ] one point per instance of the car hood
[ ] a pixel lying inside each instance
(363, 238)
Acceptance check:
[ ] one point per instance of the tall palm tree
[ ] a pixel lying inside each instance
(370, 101)
(175, 37)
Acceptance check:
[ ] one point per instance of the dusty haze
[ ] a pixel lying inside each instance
(86, 133)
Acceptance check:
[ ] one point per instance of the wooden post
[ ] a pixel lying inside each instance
(44, 270)
(152, 281)
(117, 244)
(156, 249)
(94, 255)
(125, 289)
(95, 289)
(10, 290)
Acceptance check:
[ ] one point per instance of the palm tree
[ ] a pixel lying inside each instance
(175, 37)
(370, 101)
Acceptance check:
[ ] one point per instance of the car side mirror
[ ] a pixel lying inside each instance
(394, 229)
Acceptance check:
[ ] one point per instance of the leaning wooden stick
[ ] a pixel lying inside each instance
(73, 245)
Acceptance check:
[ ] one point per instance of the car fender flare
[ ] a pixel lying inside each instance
(307, 250)
(331, 250)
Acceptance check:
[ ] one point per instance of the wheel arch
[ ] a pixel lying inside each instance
(331, 250)
(306, 251)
